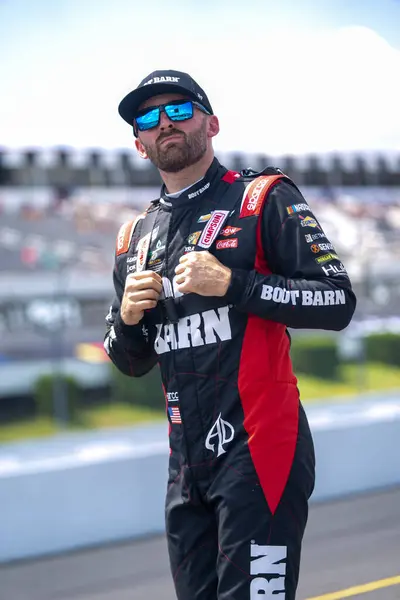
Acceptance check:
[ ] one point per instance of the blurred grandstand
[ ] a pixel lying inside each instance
(61, 209)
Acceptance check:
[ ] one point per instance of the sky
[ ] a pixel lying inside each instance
(284, 77)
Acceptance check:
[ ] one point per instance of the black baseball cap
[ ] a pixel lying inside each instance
(160, 82)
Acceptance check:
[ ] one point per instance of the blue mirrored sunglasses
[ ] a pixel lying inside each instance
(179, 110)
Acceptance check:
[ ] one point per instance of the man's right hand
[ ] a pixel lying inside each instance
(142, 292)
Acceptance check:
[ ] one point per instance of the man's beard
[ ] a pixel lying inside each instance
(178, 155)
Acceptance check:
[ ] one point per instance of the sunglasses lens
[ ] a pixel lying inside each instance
(176, 112)
(148, 120)
(179, 112)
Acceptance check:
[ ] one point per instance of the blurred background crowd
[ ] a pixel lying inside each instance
(61, 210)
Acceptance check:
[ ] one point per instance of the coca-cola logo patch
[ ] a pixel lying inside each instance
(224, 244)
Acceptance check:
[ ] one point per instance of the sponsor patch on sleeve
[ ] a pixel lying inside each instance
(308, 222)
(297, 208)
(321, 247)
(254, 195)
(331, 270)
(314, 236)
(326, 258)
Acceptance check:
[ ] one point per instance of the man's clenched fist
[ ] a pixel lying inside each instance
(201, 273)
(142, 291)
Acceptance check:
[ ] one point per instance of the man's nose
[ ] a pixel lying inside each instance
(164, 121)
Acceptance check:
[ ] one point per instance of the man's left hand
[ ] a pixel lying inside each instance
(201, 273)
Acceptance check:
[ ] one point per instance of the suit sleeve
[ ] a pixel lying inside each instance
(299, 279)
(129, 347)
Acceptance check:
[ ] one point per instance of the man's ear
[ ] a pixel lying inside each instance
(140, 149)
(213, 126)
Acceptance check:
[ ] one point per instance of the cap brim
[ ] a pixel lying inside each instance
(129, 105)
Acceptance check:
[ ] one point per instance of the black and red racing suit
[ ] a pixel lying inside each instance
(242, 465)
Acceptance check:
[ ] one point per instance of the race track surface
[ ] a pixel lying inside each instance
(349, 542)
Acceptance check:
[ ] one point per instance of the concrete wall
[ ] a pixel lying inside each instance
(79, 490)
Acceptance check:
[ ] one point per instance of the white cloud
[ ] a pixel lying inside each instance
(322, 92)
(274, 91)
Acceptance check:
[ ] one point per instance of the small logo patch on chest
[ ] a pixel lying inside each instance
(213, 227)
(230, 230)
(194, 238)
(224, 244)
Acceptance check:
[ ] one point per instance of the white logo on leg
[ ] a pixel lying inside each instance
(223, 431)
(267, 561)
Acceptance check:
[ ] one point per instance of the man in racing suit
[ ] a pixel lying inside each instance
(207, 280)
